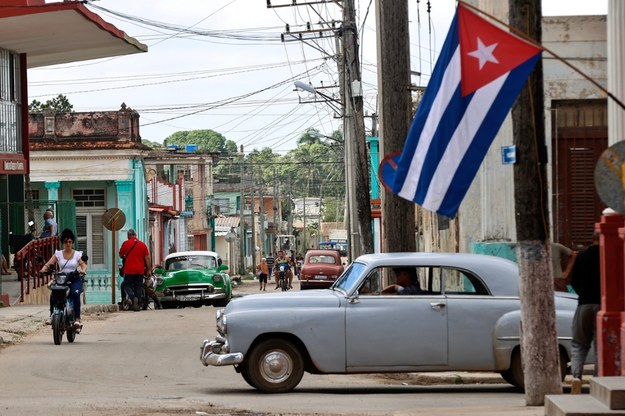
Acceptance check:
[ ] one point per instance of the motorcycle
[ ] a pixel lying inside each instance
(282, 282)
(63, 308)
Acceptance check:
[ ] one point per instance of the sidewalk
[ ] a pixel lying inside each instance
(10, 288)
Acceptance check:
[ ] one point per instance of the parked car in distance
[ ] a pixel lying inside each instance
(193, 278)
(464, 316)
(320, 269)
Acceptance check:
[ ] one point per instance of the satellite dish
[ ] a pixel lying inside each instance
(609, 179)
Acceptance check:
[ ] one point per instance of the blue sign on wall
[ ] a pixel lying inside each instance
(508, 154)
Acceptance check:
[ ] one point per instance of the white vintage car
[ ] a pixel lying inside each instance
(465, 317)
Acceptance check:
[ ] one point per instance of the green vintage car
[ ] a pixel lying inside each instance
(193, 278)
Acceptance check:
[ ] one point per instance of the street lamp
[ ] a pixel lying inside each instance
(332, 102)
(314, 133)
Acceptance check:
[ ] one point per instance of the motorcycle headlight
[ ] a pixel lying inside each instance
(61, 279)
(217, 278)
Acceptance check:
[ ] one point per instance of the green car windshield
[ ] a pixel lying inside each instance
(191, 262)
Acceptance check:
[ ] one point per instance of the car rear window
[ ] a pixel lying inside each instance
(322, 259)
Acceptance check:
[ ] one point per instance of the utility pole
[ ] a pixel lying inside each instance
(354, 115)
(395, 114)
(261, 219)
(253, 213)
(241, 217)
(539, 344)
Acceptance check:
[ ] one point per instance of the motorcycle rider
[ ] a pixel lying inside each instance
(69, 261)
(282, 260)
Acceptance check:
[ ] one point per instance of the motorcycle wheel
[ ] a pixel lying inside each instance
(57, 329)
(71, 335)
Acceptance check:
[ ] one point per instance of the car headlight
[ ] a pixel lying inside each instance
(221, 321)
(158, 281)
(217, 278)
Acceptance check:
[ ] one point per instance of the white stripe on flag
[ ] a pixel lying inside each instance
(448, 86)
(464, 135)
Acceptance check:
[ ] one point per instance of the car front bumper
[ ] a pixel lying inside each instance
(191, 297)
(213, 353)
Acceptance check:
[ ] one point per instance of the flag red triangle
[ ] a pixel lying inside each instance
(486, 51)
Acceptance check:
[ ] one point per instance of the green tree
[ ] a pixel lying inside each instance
(152, 144)
(59, 104)
(206, 140)
(231, 147)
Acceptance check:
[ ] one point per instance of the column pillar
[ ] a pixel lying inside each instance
(616, 67)
(609, 317)
(53, 190)
(125, 202)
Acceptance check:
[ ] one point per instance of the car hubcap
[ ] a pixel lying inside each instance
(276, 366)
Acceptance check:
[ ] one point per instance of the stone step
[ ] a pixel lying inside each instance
(577, 405)
(609, 390)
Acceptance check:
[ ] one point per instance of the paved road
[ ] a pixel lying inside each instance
(147, 363)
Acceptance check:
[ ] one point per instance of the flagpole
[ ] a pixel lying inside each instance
(538, 45)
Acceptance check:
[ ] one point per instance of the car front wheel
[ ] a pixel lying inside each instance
(274, 366)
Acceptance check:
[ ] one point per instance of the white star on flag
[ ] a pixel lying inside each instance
(484, 53)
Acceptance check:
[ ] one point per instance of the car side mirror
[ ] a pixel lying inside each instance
(222, 268)
(353, 298)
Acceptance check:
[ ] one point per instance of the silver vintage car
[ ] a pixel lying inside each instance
(462, 314)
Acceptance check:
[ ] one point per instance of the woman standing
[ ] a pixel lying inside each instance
(69, 260)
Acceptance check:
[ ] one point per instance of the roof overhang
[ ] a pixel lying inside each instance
(58, 33)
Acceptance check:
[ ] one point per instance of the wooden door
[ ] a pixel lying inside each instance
(579, 136)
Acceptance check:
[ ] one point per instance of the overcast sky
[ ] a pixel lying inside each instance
(221, 65)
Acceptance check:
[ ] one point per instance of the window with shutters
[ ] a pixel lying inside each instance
(89, 229)
(579, 136)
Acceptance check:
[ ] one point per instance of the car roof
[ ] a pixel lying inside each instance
(322, 252)
(191, 253)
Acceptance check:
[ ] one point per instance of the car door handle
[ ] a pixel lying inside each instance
(437, 305)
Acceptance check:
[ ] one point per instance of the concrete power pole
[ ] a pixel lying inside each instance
(360, 205)
(539, 345)
(395, 113)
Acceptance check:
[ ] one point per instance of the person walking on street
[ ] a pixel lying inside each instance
(586, 281)
(136, 265)
(263, 268)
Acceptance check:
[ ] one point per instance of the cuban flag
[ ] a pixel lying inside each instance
(477, 77)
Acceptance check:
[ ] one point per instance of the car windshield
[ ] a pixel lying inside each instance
(348, 281)
(191, 262)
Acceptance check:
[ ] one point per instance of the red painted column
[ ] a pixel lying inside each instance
(612, 296)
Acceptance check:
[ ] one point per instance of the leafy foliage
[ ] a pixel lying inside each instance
(59, 104)
(206, 140)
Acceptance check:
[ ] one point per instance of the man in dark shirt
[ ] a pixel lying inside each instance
(586, 281)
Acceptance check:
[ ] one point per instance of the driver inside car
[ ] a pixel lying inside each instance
(407, 283)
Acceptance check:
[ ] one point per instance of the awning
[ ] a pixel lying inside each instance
(58, 33)
(221, 233)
